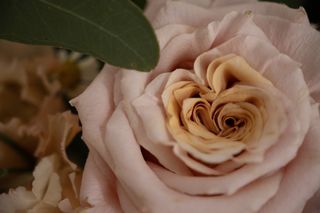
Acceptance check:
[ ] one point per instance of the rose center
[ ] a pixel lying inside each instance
(218, 120)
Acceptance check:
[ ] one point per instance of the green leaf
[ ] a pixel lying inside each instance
(114, 31)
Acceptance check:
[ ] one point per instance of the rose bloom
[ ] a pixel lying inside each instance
(228, 121)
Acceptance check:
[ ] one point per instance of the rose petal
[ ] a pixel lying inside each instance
(283, 72)
(182, 48)
(149, 110)
(98, 186)
(152, 8)
(144, 190)
(163, 153)
(220, 3)
(124, 88)
(296, 36)
(179, 75)
(181, 13)
(201, 3)
(182, 153)
(187, 46)
(296, 90)
(126, 203)
(305, 168)
(94, 112)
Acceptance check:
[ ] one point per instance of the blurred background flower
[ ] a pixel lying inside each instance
(74, 71)
(36, 83)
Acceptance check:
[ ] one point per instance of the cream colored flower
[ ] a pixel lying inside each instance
(56, 178)
(47, 189)
(33, 127)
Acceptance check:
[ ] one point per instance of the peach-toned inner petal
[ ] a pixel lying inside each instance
(224, 120)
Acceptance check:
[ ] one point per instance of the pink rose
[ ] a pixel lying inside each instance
(227, 122)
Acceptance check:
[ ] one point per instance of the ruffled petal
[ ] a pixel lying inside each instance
(17, 199)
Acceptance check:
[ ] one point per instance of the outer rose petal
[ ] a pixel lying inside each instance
(88, 103)
(124, 88)
(125, 201)
(98, 186)
(178, 12)
(153, 6)
(187, 43)
(302, 177)
(301, 43)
